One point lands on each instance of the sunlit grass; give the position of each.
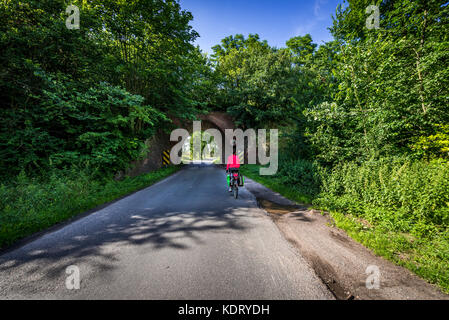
(252, 172)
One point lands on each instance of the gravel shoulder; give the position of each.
(337, 259)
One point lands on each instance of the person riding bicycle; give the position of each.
(233, 163)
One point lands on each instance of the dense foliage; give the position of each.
(363, 121)
(368, 95)
(363, 118)
(93, 95)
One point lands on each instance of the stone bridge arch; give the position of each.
(160, 142)
(214, 120)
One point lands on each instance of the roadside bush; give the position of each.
(411, 196)
(303, 175)
(103, 126)
(398, 208)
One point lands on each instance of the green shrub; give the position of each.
(411, 196)
(302, 174)
(103, 126)
(402, 195)
(406, 205)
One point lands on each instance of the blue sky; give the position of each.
(275, 21)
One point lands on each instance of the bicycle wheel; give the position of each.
(236, 192)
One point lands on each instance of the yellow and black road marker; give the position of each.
(166, 158)
(241, 156)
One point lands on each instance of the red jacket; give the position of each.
(233, 162)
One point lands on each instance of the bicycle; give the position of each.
(233, 181)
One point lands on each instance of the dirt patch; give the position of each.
(326, 273)
(324, 270)
(340, 262)
(275, 208)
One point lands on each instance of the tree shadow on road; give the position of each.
(150, 228)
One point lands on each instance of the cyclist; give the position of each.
(233, 164)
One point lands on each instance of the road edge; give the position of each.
(337, 282)
(60, 225)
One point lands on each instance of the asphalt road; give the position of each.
(183, 238)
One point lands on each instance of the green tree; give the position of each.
(256, 80)
(94, 94)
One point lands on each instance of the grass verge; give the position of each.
(275, 184)
(28, 206)
(428, 257)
